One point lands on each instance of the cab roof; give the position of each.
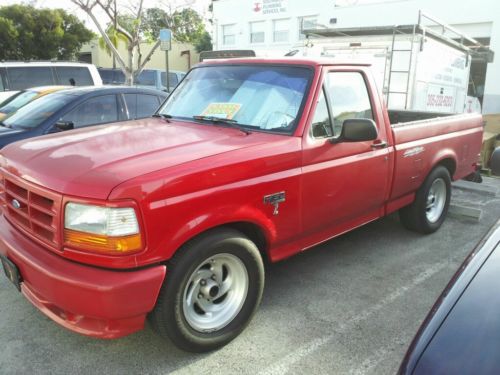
(308, 61)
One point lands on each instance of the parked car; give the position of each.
(16, 76)
(171, 217)
(24, 97)
(461, 333)
(77, 108)
(152, 78)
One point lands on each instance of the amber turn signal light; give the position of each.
(101, 243)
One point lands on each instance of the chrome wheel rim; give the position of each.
(215, 292)
(436, 199)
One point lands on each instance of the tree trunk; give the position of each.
(130, 75)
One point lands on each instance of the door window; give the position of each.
(146, 105)
(141, 105)
(348, 98)
(98, 110)
(74, 75)
(30, 76)
(321, 124)
(131, 101)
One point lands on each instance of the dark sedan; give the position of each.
(79, 107)
(461, 334)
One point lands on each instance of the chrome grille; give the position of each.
(30, 208)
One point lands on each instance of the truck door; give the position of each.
(344, 184)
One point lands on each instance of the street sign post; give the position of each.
(166, 45)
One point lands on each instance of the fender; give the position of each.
(227, 215)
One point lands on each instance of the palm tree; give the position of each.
(115, 37)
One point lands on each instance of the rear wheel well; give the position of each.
(450, 165)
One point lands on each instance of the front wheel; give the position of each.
(213, 287)
(428, 211)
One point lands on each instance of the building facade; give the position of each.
(181, 57)
(273, 27)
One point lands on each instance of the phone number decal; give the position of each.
(439, 100)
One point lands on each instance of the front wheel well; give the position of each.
(254, 233)
(250, 230)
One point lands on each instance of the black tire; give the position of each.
(416, 216)
(170, 318)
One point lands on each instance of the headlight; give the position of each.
(101, 220)
(101, 229)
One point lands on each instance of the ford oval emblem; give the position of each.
(15, 203)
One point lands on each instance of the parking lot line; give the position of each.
(283, 365)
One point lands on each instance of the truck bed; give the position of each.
(400, 117)
(421, 144)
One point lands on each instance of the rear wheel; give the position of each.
(213, 287)
(428, 211)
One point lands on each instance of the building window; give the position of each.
(305, 23)
(228, 34)
(257, 32)
(280, 31)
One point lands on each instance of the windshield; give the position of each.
(262, 97)
(34, 113)
(21, 99)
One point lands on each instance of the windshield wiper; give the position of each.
(164, 116)
(230, 123)
(4, 124)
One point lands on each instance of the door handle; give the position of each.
(381, 144)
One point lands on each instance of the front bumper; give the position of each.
(88, 300)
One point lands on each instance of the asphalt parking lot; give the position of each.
(350, 306)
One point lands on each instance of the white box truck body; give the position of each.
(415, 68)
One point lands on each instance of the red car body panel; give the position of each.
(184, 178)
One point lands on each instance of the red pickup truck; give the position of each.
(248, 160)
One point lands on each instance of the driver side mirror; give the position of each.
(64, 125)
(357, 130)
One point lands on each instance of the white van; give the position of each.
(16, 76)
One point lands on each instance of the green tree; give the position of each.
(187, 26)
(47, 34)
(115, 37)
(204, 43)
(8, 37)
(75, 35)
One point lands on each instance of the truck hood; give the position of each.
(91, 162)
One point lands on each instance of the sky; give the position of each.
(200, 6)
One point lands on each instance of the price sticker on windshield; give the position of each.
(222, 110)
